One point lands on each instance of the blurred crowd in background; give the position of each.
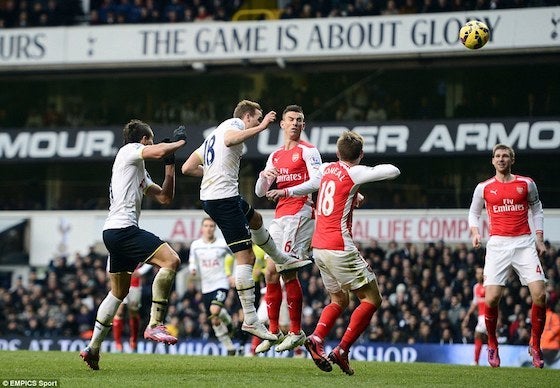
(44, 13)
(426, 294)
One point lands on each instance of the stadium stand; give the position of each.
(48, 13)
(426, 293)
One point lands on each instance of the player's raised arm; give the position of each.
(167, 147)
(235, 136)
(364, 174)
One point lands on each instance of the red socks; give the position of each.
(134, 322)
(117, 330)
(326, 322)
(477, 348)
(359, 321)
(273, 300)
(538, 318)
(491, 319)
(294, 298)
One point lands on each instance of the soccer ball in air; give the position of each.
(474, 34)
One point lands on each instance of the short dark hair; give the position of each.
(503, 147)
(135, 130)
(292, 108)
(244, 107)
(349, 146)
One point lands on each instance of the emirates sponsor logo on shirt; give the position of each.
(289, 178)
(508, 206)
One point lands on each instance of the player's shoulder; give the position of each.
(197, 243)
(487, 182)
(306, 145)
(523, 179)
(130, 151)
(233, 123)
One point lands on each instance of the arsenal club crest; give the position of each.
(520, 189)
(295, 157)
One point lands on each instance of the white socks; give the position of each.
(160, 295)
(221, 332)
(262, 238)
(103, 320)
(246, 290)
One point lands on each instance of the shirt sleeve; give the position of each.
(536, 206)
(193, 264)
(364, 174)
(477, 204)
(312, 159)
(263, 184)
(309, 186)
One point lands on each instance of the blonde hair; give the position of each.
(349, 146)
(244, 107)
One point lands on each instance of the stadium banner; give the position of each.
(386, 139)
(350, 38)
(53, 233)
(459, 354)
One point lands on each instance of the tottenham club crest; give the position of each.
(295, 157)
(520, 189)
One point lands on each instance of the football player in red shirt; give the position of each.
(507, 199)
(343, 269)
(293, 163)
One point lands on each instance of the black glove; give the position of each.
(169, 159)
(180, 133)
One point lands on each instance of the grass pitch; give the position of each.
(152, 370)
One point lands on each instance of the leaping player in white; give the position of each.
(217, 162)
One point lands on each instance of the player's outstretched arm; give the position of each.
(363, 174)
(167, 147)
(235, 136)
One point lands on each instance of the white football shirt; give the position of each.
(220, 163)
(129, 182)
(208, 259)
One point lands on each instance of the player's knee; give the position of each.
(256, 220)
(271, 277)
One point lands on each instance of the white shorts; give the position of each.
(342, 270)
(133, 298)
(519, 253)
(481, 325)
(292, 234)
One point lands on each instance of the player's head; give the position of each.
(136, 131)
(349, 146)
(293, 121)
(503, 158)
(207, 228)
(248, 111)
(479, 274)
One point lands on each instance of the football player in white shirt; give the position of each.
(343, 269)
(207, 259)
(126, 242)
(293, 163)
(217, 162)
